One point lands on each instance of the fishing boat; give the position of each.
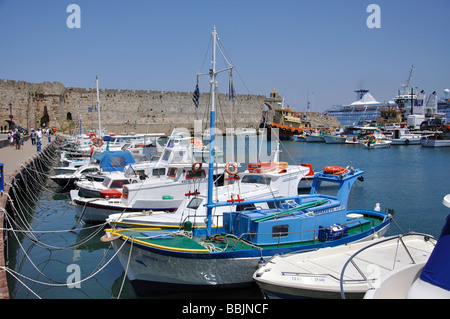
(314, 137)
(402, 136)
(422, 280)
(338, 137)
(111, 185)
(438, 139)
(207, 258)
(318, 274)
(213, 257)
(108, 161)
(271, 179)
(159, 192)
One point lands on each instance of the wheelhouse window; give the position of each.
(172, 172)
(196, 175)
(119, 183)
(256, 179)
(159, 172)
(195, 203)
(280, 231)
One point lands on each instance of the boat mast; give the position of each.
(98, 110)
(212, 74)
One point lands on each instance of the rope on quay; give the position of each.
(23, 199)
(27, 230)
(16, 275)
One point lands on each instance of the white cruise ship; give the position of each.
(365, 109)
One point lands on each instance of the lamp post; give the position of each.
(10, 115)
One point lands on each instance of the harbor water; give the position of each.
(55, 248)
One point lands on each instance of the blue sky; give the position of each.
(322, 48)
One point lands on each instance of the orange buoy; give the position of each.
(197, 166)
(335, 170)
(231, 172)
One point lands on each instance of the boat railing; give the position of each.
(400, 241)
(315, 237)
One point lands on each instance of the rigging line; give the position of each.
(206, 54)
(28, 230)
(220, 43)
(20, 281)
(126, 269)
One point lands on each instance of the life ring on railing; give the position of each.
(335, 170)
(97, 142)
(92, 136)
(197, 166)
(92, 151)
(234, 166)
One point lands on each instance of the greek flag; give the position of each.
(232, 92)
(196, 95)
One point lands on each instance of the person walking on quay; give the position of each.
(33, 137)
(11, 138)
(22, 137)
(38, 139)
(17, 139)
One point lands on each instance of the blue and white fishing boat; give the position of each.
(207, 258)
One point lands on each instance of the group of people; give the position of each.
(16, 136)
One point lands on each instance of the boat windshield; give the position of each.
(256, 179)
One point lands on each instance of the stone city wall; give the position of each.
(122, 111)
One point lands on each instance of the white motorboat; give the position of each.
(375, 144)
(111, 185)
(402, 136)
(299, 138)
(335, 139)
(70, 166)
(426, 280)
(106, 162)
(281, 180)
(314, 137)
(317, 274)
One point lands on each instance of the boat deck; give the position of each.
(180, 241)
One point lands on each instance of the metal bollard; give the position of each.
(2, 180)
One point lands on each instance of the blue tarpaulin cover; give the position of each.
(437, 268)
(111, 161)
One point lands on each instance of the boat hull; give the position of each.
(329, 139)
(314, 139)
(94, 210)
(153, 266)
(428, 142)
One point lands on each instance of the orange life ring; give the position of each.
(197, 166)
(335, 170)
(234, 166)
(92, 151)
(97, 142)
(92, 136)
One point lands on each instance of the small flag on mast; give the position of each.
(196, 95)
(232, 92)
